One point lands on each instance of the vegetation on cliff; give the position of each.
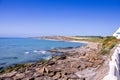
(108, 43)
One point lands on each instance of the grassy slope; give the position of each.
(107, 42)
(89, 39)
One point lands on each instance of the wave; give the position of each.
(26, 52)
(35, 51)
(47, 57)
(40, 51)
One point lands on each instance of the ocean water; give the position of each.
(23, 50)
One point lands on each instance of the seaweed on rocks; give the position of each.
(1, 70)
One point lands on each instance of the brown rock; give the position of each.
(70, 70)
(43, 78)
(29, 75)
(9, 74)
(39, 78)
(99, 61)
(37, 74)
(51, 63)
(7, 78)
(55, 69)
(72, 76)
(83, 66)
(89, 64)
(57, 76)
(19, 76)
(63, 76)
(46, 70)
(51, 74)
(40, 70)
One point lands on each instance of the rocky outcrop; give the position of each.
(75, 63)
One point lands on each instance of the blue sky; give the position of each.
(24, 18)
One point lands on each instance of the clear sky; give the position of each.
(24, 18)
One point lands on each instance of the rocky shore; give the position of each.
(82, 63)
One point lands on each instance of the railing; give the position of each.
(114, 66)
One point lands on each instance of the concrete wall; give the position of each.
(114, 63)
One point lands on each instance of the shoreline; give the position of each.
(44, 50)
(66, 40)
(71, 65)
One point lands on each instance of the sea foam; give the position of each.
(26, 52)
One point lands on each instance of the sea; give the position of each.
(25, 50)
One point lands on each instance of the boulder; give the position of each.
(57, 75)
(19, 76)
(51, 74)
(7, 78)
(51, 63)
(72, 76)
(43, 78)
(37, 74)
(40, 70)
(70, 70)
(13, 73)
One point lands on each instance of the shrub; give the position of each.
(104, 51)
(108, 43)
(112, 46)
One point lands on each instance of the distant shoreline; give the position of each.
(63, 40)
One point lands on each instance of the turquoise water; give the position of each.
(23, 50)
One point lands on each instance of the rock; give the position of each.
(83, 54)
(57, 76)
(63, 76)
(21, 70)
(55, 58)
(51, 74)
(72, 76)
(67, 48)
(7, 78)
(63, 57)
(32, 79)
(29, 75)
(99, 61)
(46, 70)
(93, 56)
(55, 69)
(76, 65)
(43, 78)
(9, 74)
(19, 76)
(83, 66)
(54, 50)
(89, 64)
(51, 63)
(39, 78)
(27, 78)
(40, 70)
(70, 70)
(37, 74)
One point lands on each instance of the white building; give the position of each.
(117, 34)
